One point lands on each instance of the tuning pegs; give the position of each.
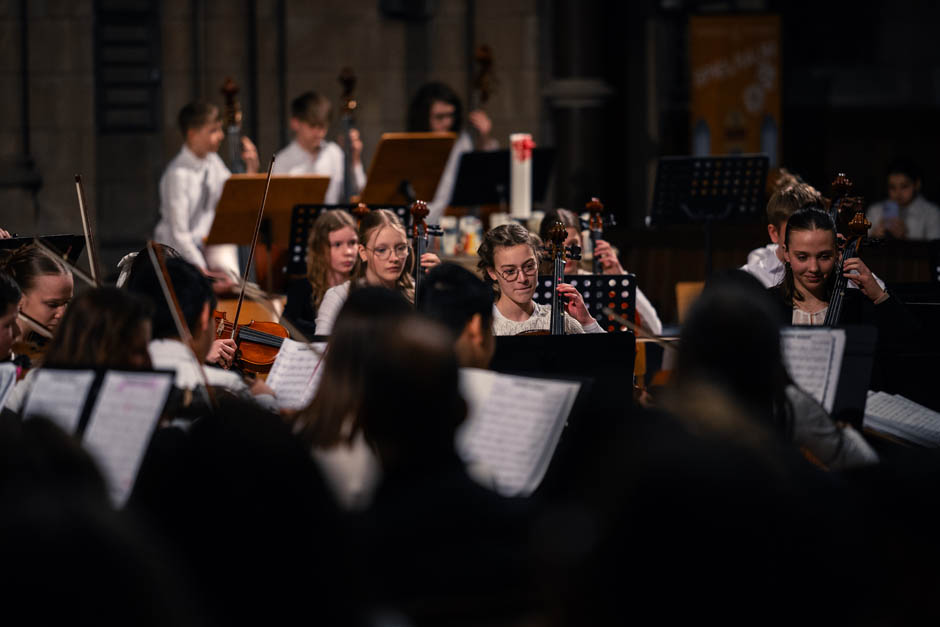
(573, 252)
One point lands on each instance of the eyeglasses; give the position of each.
(528, 268)
(384, 252)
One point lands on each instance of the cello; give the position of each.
(420, 231)
(559, 254)
(848, 214)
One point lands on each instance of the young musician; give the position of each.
(197, 302)
(332, 252)
(330, 424)
(649, 319)
(811, 253)
(104, 327)
(509, 261)
(9, 306)
(437, 108)
(456, 298)
(45, 282)
(766, 263)
(385, 260)
(190, 189)
(222, 351)
(311, 153)
(733, 310)
(905, 214)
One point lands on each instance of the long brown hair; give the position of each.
(806, 219)
(369, 226)
(27, 263)
(332, 417)
(318, 250)
(97, 328)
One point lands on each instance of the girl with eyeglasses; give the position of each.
(509, 261)
(385, 260)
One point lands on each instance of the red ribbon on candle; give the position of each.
(523, 148)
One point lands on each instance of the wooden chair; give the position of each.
(686, 293)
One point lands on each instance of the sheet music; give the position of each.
(60, 396)
(814, 360)
(513, 426)
(124, 417)
(903, 418)
(7, 381)
(295, 375)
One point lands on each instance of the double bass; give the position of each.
(848, 214)
(232, 124)
(595, 224)
(347, 123)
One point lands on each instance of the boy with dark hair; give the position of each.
(311, 153)
(905, 213)
(190, 189)
(9, 306)
(455, 297)
(197, 302)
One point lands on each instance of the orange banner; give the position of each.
(735, 70)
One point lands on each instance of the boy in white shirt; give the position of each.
(190, 189)
(766, 263)
(311, 153)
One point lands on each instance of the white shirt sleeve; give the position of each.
(932, 224)
(648, 314)
(176, 210)
(329, 308)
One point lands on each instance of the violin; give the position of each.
(30, 348)
(559, 253)
(420, 231)
(347, 123)
(258, 342)
(232, 123)
(848, 214)
(596, 223)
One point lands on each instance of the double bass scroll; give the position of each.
(848, 214)
(596, 224)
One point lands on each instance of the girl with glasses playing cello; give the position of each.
(509, 260)
(385, 260)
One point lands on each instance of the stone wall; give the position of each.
(121, 171)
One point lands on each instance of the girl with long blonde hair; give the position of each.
(385, 260)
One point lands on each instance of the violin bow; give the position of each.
(637, 330)
(89, 238)
(39, 243)
(176, 312)
(251, 250)
(34, 325)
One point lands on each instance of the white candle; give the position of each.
(520, 175)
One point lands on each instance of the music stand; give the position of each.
(237, 210)
(406, 164)
(705, 190)
(617, 291)
(483, 177)
(69, 246)
(301, 221)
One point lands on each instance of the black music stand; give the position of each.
(69, 246)
(705, 190)
(302, 219)
(855, 374)
(483, 177)
(617, 291)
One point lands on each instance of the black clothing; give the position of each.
(299, 309)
